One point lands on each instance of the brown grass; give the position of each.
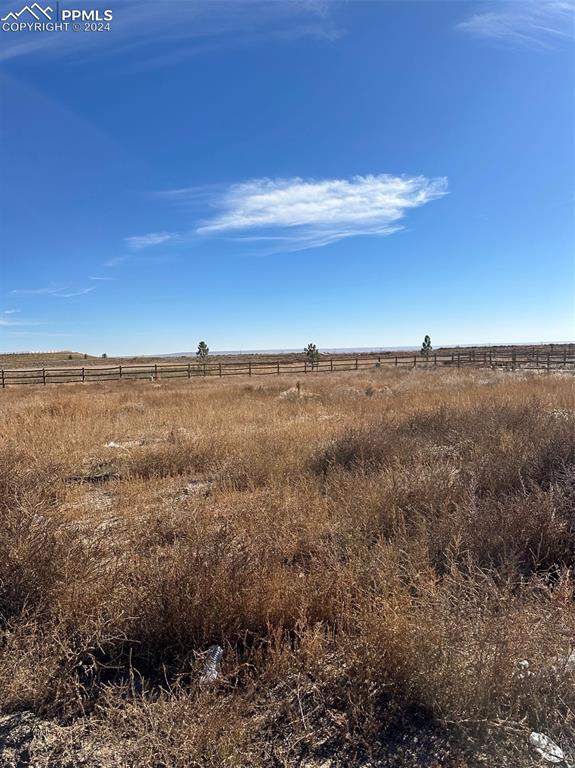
(375, 557)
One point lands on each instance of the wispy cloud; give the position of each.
(35, 291)
(294, 214)
(535, 23)
(82, 292)
(7, 321)
(106, 279)
(137, 242)
(115, 261)
(61, 292)
(158, 34)
(43, 334)
(187, 196)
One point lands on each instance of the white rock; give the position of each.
(546, 748)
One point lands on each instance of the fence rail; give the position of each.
(474, 358)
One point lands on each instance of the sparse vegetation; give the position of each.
(375, 559)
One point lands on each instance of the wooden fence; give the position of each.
(474, 358)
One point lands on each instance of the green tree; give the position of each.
(203, 350)
(312, 354)
(426, 347)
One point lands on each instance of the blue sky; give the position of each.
(265, 174)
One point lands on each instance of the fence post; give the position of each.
(120, 367)
(3, 382)
(220, 370)
(356, 365)
(250, 368)
(513, 360)
(459, 359)
(44, 376)
(83, 374)
(155, 371)
(189, 371)
(537, 359)
(331, 364)
(435, 360)
(548, 362)
(414, 360)
(278, 367)
(204, 369)
(396, 361)
(305, 366)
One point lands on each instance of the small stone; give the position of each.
(546, 748)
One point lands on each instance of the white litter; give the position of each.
(197, 487)
(546, 748)
(566, 663)
(112, 444)
(522, 670)
(212, 665)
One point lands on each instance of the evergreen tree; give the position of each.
(312, 354)
(426, 347)
(203, 350)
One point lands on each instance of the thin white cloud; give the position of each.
(115, 261)
(35, 291)
(62, 292)
(7, 321)
(36, 333)
(187, 196)
(535, 23)
(101, 278)
(83, 292)
(302, 213)
(137, 242)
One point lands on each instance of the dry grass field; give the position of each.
(65, 359)
(377, 554)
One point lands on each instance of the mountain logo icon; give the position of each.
(35, 10)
